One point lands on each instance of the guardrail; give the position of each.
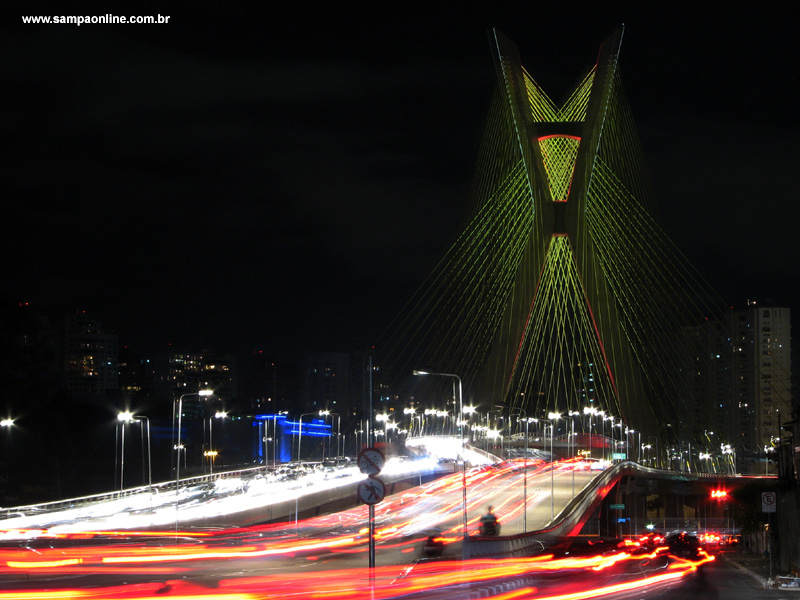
(164, 486)
(571, 519)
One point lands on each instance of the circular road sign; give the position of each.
(371, 490)
(371, 461)
(768, 501)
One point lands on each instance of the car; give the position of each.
(684, 545)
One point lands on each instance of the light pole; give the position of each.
(179, 418)
(325, 413)
(149, 462)
(591, 411)
(456, 378)
(212, 454)
(608, 418)
(409, 418)
(468, 411)
(613, 439)
(524, 473)
(571, 414)
(128, 417)
(123, 418)
(552, 418)
(639, 447)
(300, 435)
(627, 445)
(601, 414)
(647, 459)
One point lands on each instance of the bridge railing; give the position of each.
(156, 488)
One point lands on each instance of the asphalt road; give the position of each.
(719, 580)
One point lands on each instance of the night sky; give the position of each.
(284, 180)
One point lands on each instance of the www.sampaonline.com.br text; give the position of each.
(107, 19)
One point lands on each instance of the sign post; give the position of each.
(371, 491)
(768, 502)
(769, 505)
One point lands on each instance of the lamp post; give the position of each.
(456, 378)
(468, 411)
(178, 445)
(325, 413)
(627, 445)
(613, 439)
(601, 414)
(574, 444)
(591, 411)
(639, 447)
(524, 473)
(212, 454)
(128, 417)
(123, 418)
(149, 461)
(300, 435)
(608, 418)
(552, 418)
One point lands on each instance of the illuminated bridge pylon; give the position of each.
(561, 292)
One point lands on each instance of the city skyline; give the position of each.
(203, 184)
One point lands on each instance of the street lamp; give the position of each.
(178, 446)
(212, 454)
(613, 440)
(325, 413)
(300, 435)
(387, 425)
(627, 443)
(524, 473)
(591, 411)
(149, 462)
(123, 418)
(456, 378)
(608, 418)
(552, 418)
(570, 414)
(128, 417)
(468, 411)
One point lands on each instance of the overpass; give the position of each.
(544, 504)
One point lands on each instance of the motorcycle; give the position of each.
(490, 528)
(433, 546)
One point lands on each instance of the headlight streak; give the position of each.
(418, 522)
(406, 521)
(351, 583)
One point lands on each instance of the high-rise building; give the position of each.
(762, 369)
(182, 372)
(91, 356)
(269, 386)
(326, 382)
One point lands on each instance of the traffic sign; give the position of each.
(371, 490)
(617, 507)
(768, 502)
(371, 461)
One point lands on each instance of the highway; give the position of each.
(328, 555)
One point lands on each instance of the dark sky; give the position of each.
(285, 179)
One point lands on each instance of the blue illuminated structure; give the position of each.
(274, 444)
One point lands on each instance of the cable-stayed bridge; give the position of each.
(562, 292)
